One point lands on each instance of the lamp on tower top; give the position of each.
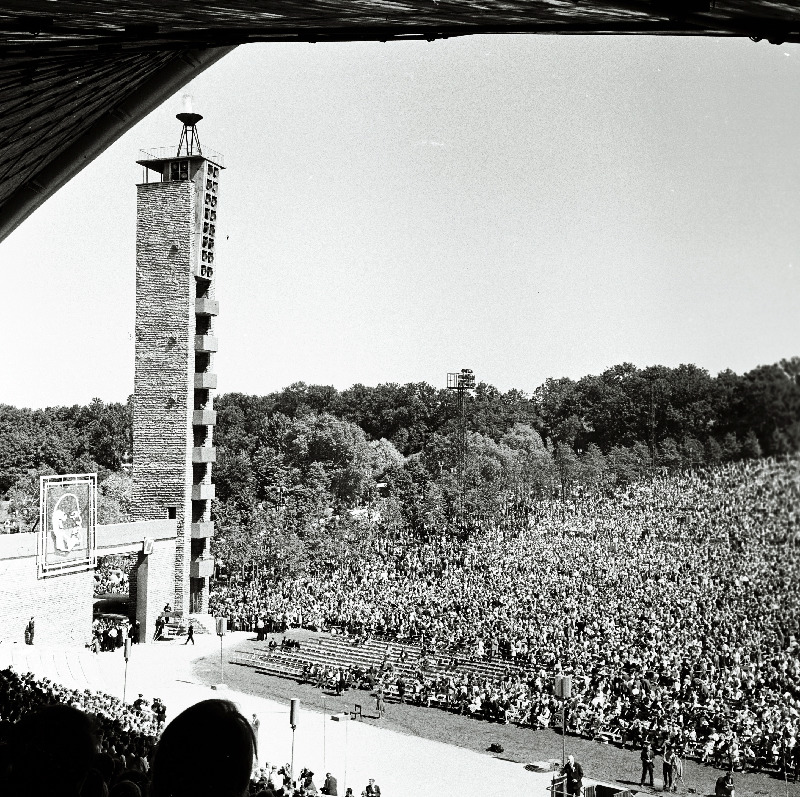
(190, 141)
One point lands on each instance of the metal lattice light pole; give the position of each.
(462, 382)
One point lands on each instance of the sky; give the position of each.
(525, 206)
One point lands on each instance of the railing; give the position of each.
(558, 786)
(170, 153)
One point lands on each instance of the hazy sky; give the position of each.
(523, 206)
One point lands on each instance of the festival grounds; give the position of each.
(412, 751)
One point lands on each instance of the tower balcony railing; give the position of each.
(206, 307)
(205, 343)
(202, 567)
(205, 381)
(204, 454)
(204, 417)
(202, 530)
(170, 153)
(203, 492)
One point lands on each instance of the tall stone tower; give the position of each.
(173, 419)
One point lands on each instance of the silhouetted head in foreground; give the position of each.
(51, 752)
(206, 751)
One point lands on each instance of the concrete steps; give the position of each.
(178, 626)
(70, 667)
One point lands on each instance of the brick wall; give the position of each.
(155, 575)
(164, 375)
(61, 605)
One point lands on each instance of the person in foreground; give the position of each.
(206, 751)
(51, 752)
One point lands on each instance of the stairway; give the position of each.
(71, 667)
(177, 626)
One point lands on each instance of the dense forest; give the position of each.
(301, 469)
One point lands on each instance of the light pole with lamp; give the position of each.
(127, 653)
(294, 716)
(463, 383)
(222, 629)
(563, 689)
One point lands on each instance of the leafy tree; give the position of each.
(114, 495)
(751, 448)
(568, 467)
(558, 405)
(731, 449)
(384, 456)
(593, 468)
(623, 464)
(523, 438)
(692, 450)
(669, 455)
(713, 453)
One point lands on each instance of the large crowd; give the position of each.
(111, 576)
(673, 604)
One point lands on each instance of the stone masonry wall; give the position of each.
(61, 605)
(164, 377)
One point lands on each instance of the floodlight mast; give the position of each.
(463, 383)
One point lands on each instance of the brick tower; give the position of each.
(173, 419)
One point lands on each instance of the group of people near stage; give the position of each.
(673, 603)
(59, 741)
(274, 781)
(110, 633)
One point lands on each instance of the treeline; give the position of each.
(679, 414)
(310, 473)
(77, 439)
(300, 472)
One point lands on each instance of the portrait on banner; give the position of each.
(67, 523)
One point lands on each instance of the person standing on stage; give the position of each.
(574, 774)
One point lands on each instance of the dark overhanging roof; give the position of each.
(76, 75)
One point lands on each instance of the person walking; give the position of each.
(29, 632)
(190, 634)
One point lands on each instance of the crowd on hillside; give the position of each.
(674, 605)
(59, 741)
(111, 576)
(110, 581)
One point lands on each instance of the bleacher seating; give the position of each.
(336, 650)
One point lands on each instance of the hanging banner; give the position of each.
(67, 518)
